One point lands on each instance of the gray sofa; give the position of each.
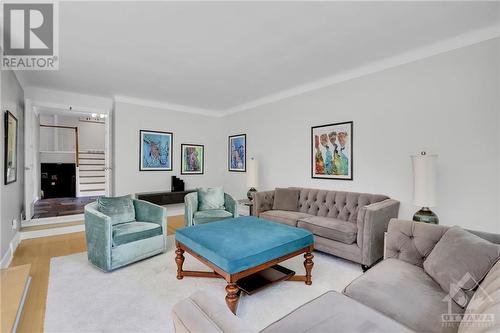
(346, 224)
(396, 295)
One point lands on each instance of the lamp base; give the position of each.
(426, 215)
(251, 193)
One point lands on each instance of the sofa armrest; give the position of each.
(149, 212)
(201, 313)
(98, 235)
(372, 223)
(190, 207)
(412, 241)
(262, 201)
(231, 205)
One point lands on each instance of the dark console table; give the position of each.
(164, 197)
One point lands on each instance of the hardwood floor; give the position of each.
(38, 252)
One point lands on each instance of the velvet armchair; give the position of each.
(120, 231)
(195, 216)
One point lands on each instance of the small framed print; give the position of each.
(237, 153)
(192, 159)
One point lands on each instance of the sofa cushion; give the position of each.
(330, 228)
(459, 261)
(119, 209)
(204, 216)
(341, 205)
(405, 293)
(334, 312)
(283, 216)
(133, 231)
(286, 199)
(210, 198)
(485, 303)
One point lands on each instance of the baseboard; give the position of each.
(52, 232)
(7, 258)
(53, 220)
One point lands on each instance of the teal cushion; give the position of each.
(119, 209)
(211, 198)
(133, 231)
(240, 243)
(204, 216)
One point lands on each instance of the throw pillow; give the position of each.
(286, 199)
(459, 262)
(119, 209)
(211, 198)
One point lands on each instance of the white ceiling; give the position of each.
(218, 56)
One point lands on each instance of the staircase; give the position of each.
(91, 174)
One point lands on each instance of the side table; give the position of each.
(248, 203)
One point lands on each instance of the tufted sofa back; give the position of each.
(341, 205)
(413, 241)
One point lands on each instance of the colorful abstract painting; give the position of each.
(10, 158)
(237, 153)
(192, 161)
(155, 151)
(331, 151)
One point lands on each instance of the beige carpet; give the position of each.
(138, 298)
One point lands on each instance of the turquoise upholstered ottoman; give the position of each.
(239, 247)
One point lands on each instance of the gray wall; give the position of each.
(447, 104)
(12, 197)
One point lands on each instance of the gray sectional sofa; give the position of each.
(396, 295)
(346, 224)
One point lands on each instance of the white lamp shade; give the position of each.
(252, 173)
(424, 180)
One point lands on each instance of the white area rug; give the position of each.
(138, 298)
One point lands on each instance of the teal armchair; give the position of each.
(193, 216)
(127, 231)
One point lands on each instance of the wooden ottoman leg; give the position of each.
(232, 297)
(179, 259)
(308, 264)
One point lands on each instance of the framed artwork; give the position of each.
(192, 159)
(331, 151)
(155, 151)
(237, 153)
(10, 158)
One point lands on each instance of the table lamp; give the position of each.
(252, 177)
(425, 187)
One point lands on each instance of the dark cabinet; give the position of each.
(58, 180)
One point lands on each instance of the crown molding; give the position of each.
(374, 67)
(167, 106)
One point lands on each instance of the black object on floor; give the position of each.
(58, 180)
(258, 281)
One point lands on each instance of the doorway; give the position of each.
(70, 162)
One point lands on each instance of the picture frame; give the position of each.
(192, 159)
(155, 150)
(10, 151)
(332, 151)
(237, 146)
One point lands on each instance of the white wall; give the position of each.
(12, 195)
(186, 128)
(91, 135)
(446, 104)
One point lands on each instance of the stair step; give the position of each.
(95, 152)
(15, 283)
(91, 162)
(92, 190)
(86, 167)
(90, 173)
(90, 179)
(91, 157)
(93, 186)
